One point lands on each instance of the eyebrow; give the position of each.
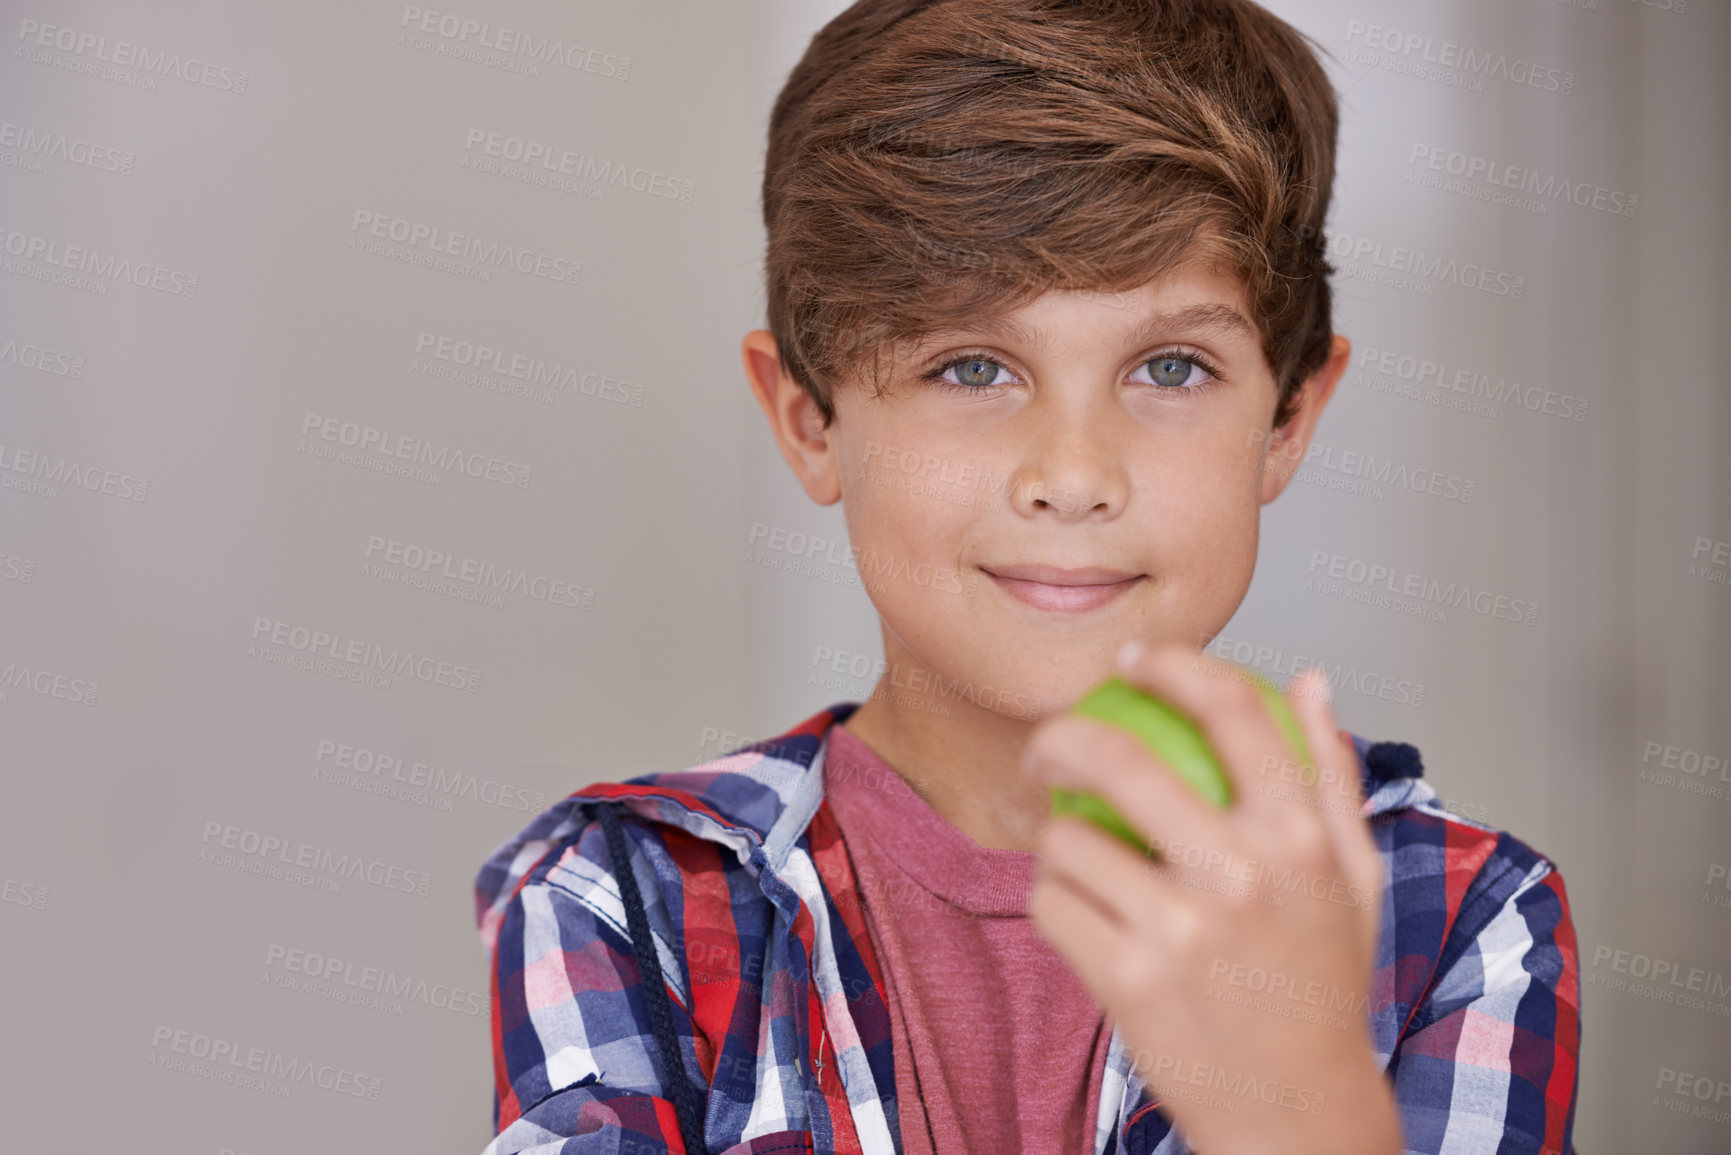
(1212, 319)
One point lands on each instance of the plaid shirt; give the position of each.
(779, 1005)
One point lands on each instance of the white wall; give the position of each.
(147, 606)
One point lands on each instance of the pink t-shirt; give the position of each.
(998, 1045)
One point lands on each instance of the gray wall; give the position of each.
(148, 714)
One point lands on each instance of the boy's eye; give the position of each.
(977, 372)
(1170, 371)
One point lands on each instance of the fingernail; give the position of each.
(1128, 653)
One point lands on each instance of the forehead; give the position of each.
(1195, 300)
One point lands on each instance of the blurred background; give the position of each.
(367, 484)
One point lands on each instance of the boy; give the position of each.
(1064, 257)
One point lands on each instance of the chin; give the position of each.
(1037, 693)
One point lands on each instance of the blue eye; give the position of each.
(971, 373)
(975, 372)
(1170, 371)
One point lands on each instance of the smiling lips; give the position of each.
(1070, 590)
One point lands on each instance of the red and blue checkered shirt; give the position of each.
(778, 1005)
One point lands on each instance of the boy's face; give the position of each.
(1121, 434)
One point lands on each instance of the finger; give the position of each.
(1354, 847)
(1340, 791)
(1326, 780)
(1133, 887)
(1116, 880)
(1081, 932)
(1229, 711)
(1083, 753)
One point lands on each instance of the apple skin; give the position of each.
(1174, 738)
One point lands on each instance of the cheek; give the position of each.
(1202, 510)
(914, 498)
(1206, 525)
(1207, 473)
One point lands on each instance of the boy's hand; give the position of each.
(1237, 963)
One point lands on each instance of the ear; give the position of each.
(1287, 445)
(794, 419)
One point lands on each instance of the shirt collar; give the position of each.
(772, 787)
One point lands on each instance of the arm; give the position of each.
(577, 1067)
(1492, 1063)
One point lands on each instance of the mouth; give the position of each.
(1065, 590)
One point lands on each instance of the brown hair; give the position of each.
(930, 160)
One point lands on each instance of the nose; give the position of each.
(1073, 467)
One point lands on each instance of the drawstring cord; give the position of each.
(673, 1076)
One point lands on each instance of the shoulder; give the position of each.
(1438, 858)
(1466, 905)
(567, 846)
(738, 802)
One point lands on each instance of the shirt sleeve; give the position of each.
(575, 1060)
(1493, 1067)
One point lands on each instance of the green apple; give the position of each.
(1174, 738)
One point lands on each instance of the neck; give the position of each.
(963, 759)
